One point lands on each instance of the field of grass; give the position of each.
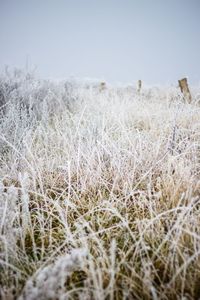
(99, 191)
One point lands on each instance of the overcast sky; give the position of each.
(157, 41)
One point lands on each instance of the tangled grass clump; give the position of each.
(99, 192)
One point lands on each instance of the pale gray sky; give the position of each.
(118, 40)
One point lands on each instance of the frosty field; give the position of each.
(99, 191)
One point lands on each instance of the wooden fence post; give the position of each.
(139, 86)
(102, 86)
(183, 84)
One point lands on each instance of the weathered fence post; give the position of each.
(183, 84)
(139, 86)
(102, 86)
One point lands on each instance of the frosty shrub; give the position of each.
(26, 102)
(49, 282)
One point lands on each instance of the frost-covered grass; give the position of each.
(99, 192)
